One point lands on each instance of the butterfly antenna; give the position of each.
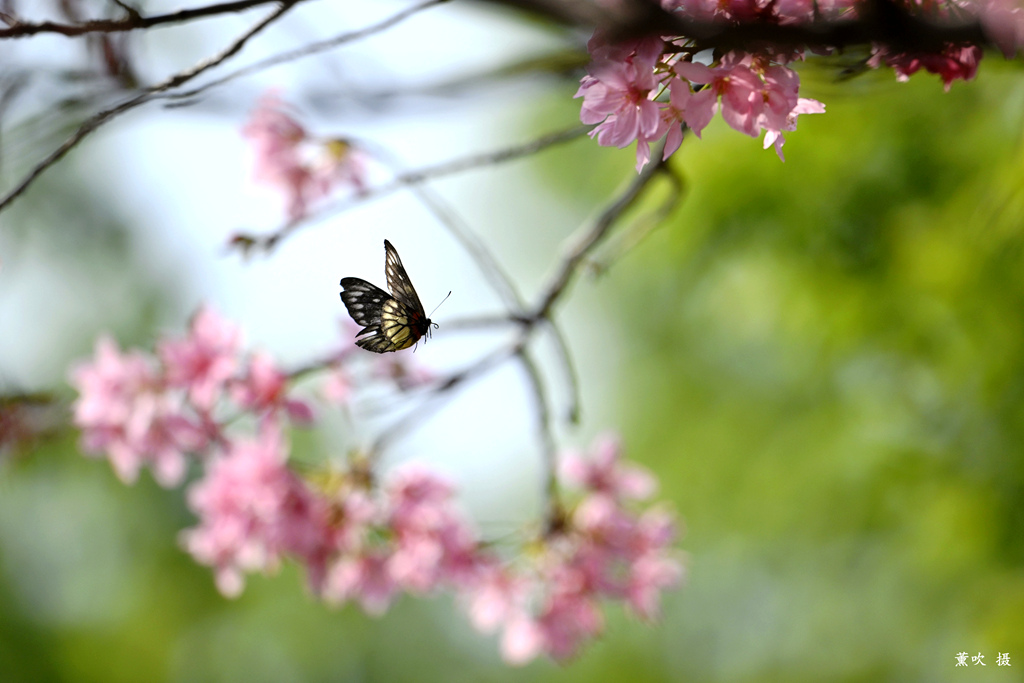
(439, 306)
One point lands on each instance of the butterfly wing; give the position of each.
(399, 282)
(363, 301)
(401, 327)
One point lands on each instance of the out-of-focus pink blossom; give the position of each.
(567, 621)
(604, 551)
(303, 167)
(602, 472)
(1003, 22)
(364, 578)
(108, 386)
(495, 597)
(252, 511)
(523, 640)
(123, 410)
(433, 543)
(953, 63)
(264, 389)
(337, 388)
(204, 360)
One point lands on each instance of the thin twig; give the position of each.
(108, 114)
(588, 239)
(486, 262)
(552, 505)
(307, 50)
(627, 240)
(131, 22)
(572, 378)
(482, 322)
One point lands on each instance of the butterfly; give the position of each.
(390, 322)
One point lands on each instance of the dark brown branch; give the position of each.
(308, 50)
(887, 22)
(598, 231)
(109, 114)
(131, 22)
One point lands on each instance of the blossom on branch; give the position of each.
(306, 169)
(203, 361)
(123, 409)
(145, 410)
(648, 89)
(253, 510)
(358, 540)
(604, 551)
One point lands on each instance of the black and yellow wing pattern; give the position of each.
(390, 322)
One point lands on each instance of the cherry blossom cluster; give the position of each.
(602, 549)
(359, 537)
(303, 167)
(367, 544)
(647, 90)
(154, 410)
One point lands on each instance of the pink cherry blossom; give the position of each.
(433, 543)
(109, 384)
(123, 410)
(276, 138)
(602, 472)
(253, 511)
(1003, 22)
(803, 106)
(303, 167)
(337, 388)
(604, 551)
(649, 575)
(204, 360)
(364, 578)
(567, 621)
(495, 597)
(954, 62)
(736, 84)
(523, 640)
(779, 95)
(616, 94)
(264, 389)
(678, 113)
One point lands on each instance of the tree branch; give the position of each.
(888, 22)
(404, 180)
(133, 21)
(552, 506)
(569, 268)
(109, 114)
(307, 50)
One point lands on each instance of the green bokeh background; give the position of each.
(822, 360)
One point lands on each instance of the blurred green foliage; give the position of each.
(832, 352)
(823, 360)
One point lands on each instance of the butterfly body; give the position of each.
(390, 321)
